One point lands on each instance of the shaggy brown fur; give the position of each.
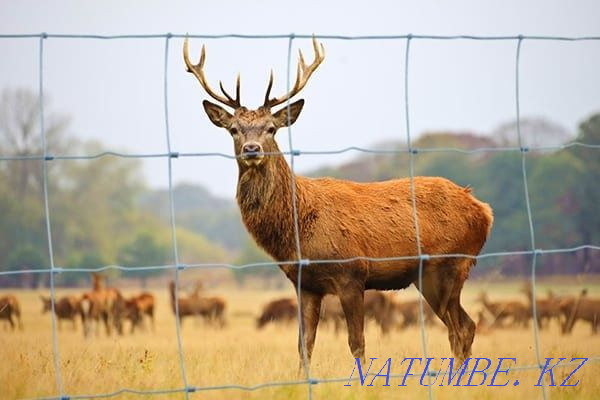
(546, 309)
(281, 310)
(341, 220)
(501, 311)
(9, 306)
(68, 307)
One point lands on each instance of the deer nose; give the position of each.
(251, 150)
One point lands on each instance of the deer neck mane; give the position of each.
(264, 195)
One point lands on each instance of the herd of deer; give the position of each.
(565, 310)
(380, 307)
(387, 312)
(107, 306)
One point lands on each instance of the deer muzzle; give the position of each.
(252, 153)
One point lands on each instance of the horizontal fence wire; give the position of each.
(298, 152)
(170, 155)
(305, 261)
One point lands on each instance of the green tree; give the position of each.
(144, 250)
(25, 257)
(587, 189)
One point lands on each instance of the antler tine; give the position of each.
(269, 86)
(303, 73)
(198, 71)
(237, 91)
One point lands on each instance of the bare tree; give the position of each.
(20, 136)
(535, 132)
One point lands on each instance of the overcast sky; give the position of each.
(113, 89)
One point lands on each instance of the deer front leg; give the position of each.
(353, 304)
(310, 308)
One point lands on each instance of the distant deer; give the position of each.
(515, 311)
(211, 309)
(377, 307)
(582, 307)
(9, 306)
(281, 310)
(409, 310)
(103, 304)
(546, 309)
(139, 306)
(68, 307)
(340, 219)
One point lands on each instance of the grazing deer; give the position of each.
(68, 307)
(546, 309)
(9, 306)
(517, 312)
(138, 306)
(281, 310)
(340, 219)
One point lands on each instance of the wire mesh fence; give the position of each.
(170, 154)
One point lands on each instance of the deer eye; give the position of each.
(271, 130)
(233, 131)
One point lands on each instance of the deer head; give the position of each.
(253, 131)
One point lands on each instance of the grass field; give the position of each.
(240, 354)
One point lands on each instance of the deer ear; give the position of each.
(281, 116)
(217, 114)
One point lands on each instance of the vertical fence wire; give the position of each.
(301, 333)
(524, 150)
(47, 157)
(172, 220)
(411, 153)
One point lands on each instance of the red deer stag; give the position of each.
(341, 220)
(9, 306)
(281, 310)
(68, 307)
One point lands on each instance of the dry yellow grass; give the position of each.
(239, 354)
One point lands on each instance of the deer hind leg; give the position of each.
(442, 285)
(352, 299)
(310, 307)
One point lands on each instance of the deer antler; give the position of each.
(303, 73)
(198, 71)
